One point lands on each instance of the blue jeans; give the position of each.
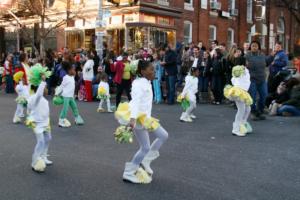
(9, 84)
(203, 84)
(288, 109)
(217, 88)
(171, 81)
(262, 90)
(157, 91)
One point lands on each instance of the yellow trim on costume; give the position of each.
(30, 123)
(233, 93)
(123, 116)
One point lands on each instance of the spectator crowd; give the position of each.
(275, 83)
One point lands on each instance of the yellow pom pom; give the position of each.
(18, 76)
(101, 91)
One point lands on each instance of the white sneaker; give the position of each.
(100, 110)
(238, 134)
(47, 162)
(237, 130)
(135, 174)
(16, 120)
(150, 156)
(39, 166)
(193, 116)
(64, 123)
(186, 119)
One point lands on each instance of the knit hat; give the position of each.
(18, 76)
(36, 72)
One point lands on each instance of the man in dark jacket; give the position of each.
(170, 65)
(279, 62)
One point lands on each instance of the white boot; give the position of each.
(185, 118)
(135, 174)
(100, 109)
(16, 119)
(193, 116)
(64, 123)
(237, 130)
(151, 155)
(47, 162)
(39, 166)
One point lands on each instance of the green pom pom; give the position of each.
(58, 100)
(123, 134)
(185, 104)
(238, 70)
(36, 72)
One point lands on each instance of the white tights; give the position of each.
(107, 103)
(242, 114)
(43, 139)
(143, 139)
(19, 111)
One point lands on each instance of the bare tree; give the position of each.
(291, 6)
(46, 13)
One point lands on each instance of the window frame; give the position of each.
(190, 37)
(214, 31)
(230, 43)
(249, 15)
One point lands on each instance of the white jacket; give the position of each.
(22, 90)
(142, 97)
(191, 87)
(68, 86)
(38, 106)
(243, 81)
(88, 70)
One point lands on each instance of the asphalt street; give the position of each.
(200, 161)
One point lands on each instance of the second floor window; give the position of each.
(163, 2)
(212, 32)
(188, 31)
(249, 10)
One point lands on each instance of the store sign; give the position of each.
(79, 23)
(149, 19)
(115, 20)
(131, 18)
(163, 21)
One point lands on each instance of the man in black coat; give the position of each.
(170, 65)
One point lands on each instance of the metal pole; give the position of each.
(100, 34)
(18, 37)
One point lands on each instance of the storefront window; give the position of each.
(74, 39)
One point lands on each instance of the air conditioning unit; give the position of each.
(215, 5)
(234, 12)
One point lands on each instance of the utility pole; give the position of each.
(100, 32)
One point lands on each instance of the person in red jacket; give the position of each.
(8, 71)
(24, 67)
(122, 77)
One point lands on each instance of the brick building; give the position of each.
(152, 22)
(236, 22)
